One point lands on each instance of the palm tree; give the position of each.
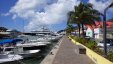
(83, 14)
(86, 14)
(69, 29)
(72, 19)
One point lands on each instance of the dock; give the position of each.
(64, 53)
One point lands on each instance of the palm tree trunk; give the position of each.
(83, 34)
(79, 29)
(93, 33)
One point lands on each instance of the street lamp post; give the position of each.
(104, 26)
(104, 32)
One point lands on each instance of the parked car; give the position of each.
(109, 42)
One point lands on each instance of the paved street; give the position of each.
(66, 54)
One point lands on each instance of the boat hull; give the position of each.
(29, 53)
(9, 58)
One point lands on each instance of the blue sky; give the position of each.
(6, 21)
(41, 12)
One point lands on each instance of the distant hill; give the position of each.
(3, 28)
(60, 31)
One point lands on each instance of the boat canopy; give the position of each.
(5, 41)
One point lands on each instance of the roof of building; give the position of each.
(99, 24)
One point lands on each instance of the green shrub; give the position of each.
(84, 41)
(110, 56)
(77, 39)
(97, 50)
(91, 44)
(81, 40)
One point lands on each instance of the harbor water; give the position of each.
(38, 57)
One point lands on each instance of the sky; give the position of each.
(30, 15)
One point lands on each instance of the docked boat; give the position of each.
(24, 53)
(31, 42)
(9, 57)
(32, 45)
(16, 50)
(37, 38)
(5, 55)
(44, 34)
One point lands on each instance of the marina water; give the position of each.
(38, 57)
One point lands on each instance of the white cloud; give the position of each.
(52, 13)
(14, 17)
(100, 5)
(5, 14)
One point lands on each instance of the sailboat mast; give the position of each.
(23, 27)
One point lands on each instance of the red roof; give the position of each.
(99, 24)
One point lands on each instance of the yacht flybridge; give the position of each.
(45, 34)
(44, 31)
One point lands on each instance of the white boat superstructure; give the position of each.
(43, 39)
(32, 43)
(39, 42)
(44, 34)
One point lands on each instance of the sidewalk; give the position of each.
(50, 57)
(67, 55)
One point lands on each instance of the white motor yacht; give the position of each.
(5, 56)
(25, 53)
(31, 44)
